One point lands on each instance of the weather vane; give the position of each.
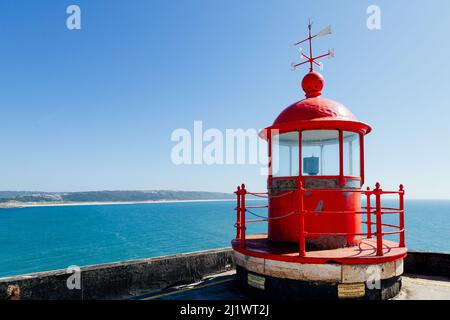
(311, 59)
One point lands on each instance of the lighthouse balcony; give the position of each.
(371, 239)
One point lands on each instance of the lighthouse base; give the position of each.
(262, 286)
(276, 271)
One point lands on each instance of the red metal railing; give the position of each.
(378, 211)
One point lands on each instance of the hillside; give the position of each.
(108, 196)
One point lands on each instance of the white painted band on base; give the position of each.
(334, 273)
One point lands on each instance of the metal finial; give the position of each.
(311, 59)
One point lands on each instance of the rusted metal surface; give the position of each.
(326, 242)
(280, 185)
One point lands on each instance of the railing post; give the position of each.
(301, 240)
(379, 234)
(243, 209)
(238, 212)
(402, 216)
(369, 214)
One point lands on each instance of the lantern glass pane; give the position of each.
(285, 154)
(320, 152)
(352, 154)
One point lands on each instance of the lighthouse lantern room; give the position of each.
(327, 237)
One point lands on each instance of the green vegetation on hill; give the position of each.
(110, 196)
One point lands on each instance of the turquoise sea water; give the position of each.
(47, 238)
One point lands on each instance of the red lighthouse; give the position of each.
(326, 235)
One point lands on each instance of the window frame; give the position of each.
(341, 175)
(298, 132)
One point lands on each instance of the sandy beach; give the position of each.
(17, 205)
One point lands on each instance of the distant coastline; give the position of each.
(24, 199)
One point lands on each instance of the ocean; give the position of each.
(46, 238)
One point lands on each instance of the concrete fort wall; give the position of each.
(427, 263)
(122, 279)
(128, 278)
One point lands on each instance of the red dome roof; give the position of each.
(315, 112)
(311, 109)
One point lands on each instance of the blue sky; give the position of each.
(94, 109)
